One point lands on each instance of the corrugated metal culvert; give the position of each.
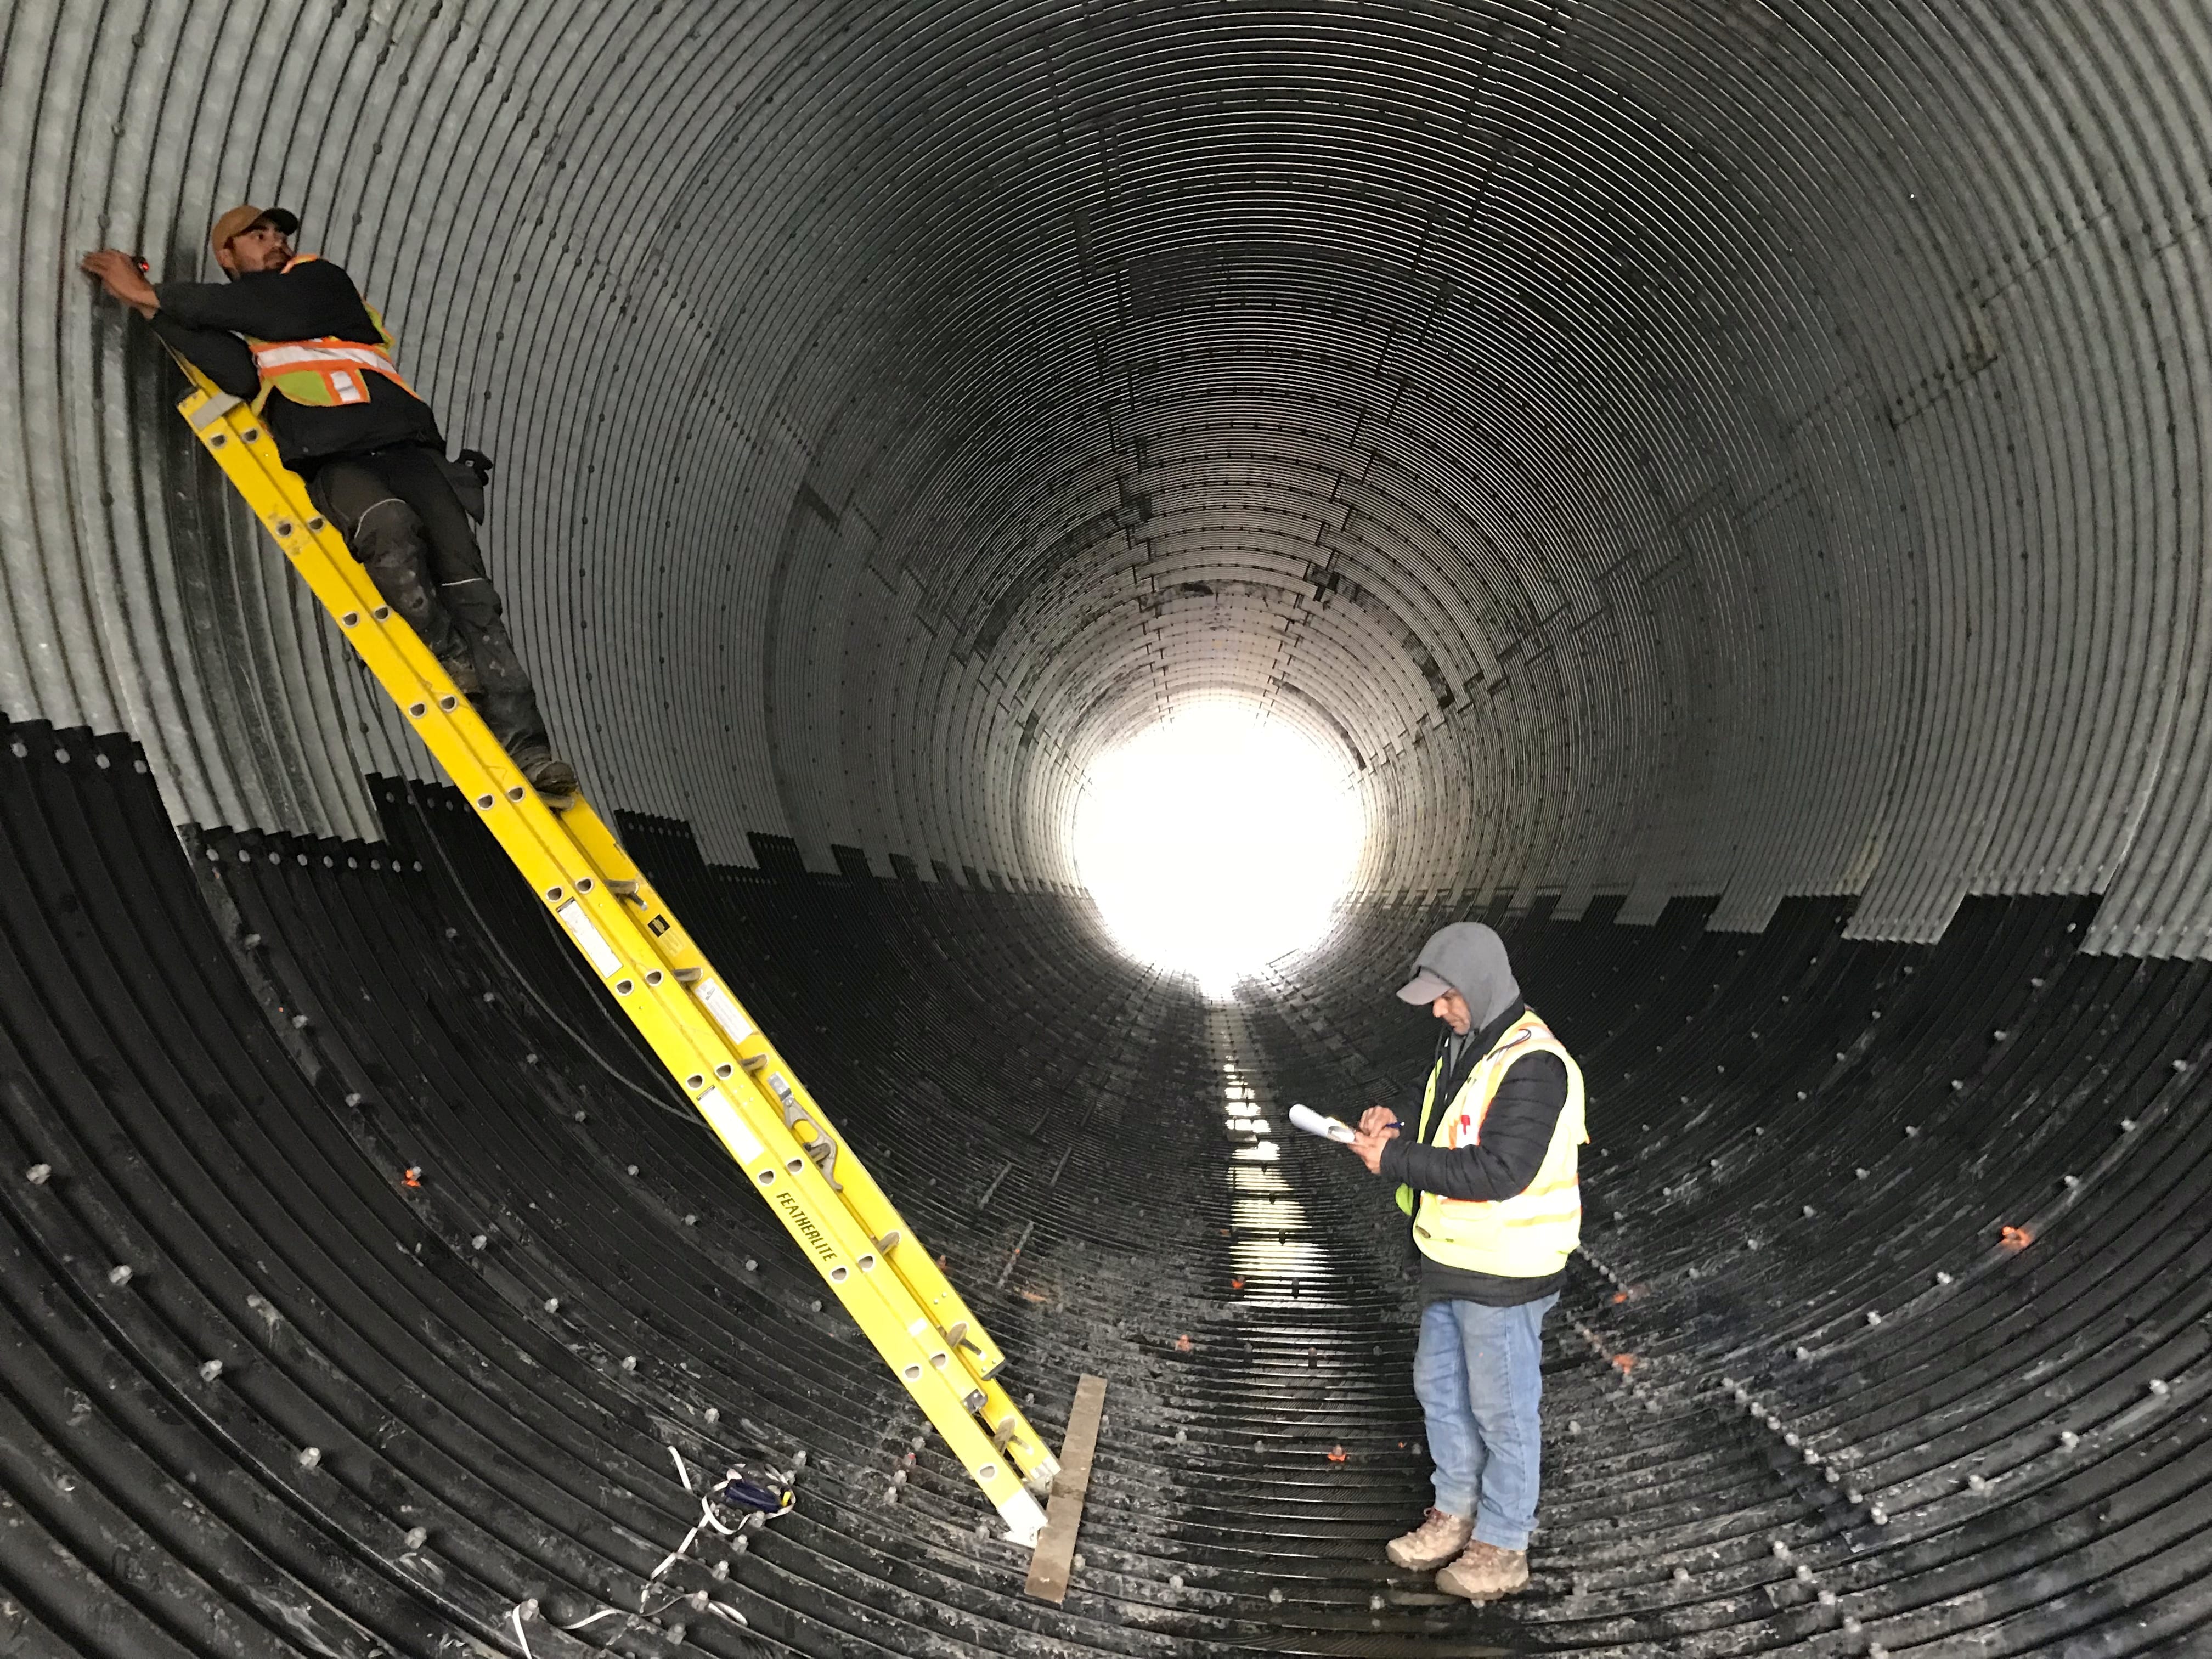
(1728, 476)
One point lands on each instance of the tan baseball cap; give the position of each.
(239, 220)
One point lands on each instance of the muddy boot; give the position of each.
(1485, 1572)
(548, 773)
(514, 720)
(1435, 1541)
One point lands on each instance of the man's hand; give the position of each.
(1378, 1127)
(119, 273)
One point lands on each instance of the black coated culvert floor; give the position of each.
(1802, 1395)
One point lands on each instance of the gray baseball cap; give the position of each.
(1424, 987)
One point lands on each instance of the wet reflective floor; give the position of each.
(1289, 1422)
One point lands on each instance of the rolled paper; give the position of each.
(1328, 1128)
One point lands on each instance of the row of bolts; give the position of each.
(1780, 1547)
(310, 1457)
(2068, 1439)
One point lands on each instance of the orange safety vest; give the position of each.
(1531, 1234)
(325, 372)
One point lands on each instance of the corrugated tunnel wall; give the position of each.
(1729, 474)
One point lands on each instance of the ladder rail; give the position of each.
(980, 1356)
(832, 1208)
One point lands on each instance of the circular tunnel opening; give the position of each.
(1217, 840)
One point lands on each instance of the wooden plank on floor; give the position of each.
(1056, 1551)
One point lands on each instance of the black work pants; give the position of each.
(399, 515)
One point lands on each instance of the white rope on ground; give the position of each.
(699, 1600)
(674, 1556)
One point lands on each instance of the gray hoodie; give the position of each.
(1468, 957)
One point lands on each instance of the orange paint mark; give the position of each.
(2016, 1238)
(1033, 1296)
(1624, 1362)
(1236, 1284)
(413, 1177)
(1338, 1455)
(1183, 1343)
(1620, 1297)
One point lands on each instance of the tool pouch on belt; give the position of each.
(470, 474)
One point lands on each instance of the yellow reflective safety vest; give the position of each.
(325, 372)
(1530, 1235)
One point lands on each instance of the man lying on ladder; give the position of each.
(316, 361)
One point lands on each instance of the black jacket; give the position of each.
(1516, 1132)
(204, 320)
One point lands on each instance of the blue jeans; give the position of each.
(1479, 1376)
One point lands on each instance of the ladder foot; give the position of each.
(1024, 1519)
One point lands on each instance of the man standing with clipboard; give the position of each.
(1487, 1179)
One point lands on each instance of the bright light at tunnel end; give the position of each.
(1217, 840)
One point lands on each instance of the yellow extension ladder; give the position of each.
(791, 1155)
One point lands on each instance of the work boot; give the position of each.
(1435, 1541)
(1485, 1572)
(461, 669)
(548, 773)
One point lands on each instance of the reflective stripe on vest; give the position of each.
(325, 372)
(1531, 1234)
